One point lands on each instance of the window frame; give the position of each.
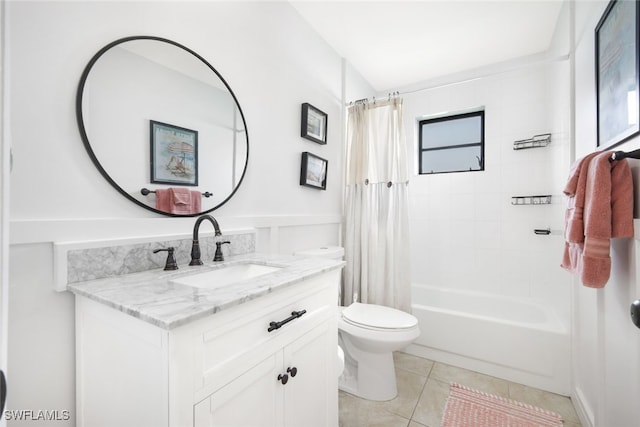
(450, 117)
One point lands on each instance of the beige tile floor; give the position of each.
(423, 388)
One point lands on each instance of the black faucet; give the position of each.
(171, 263)
(218, 256)
(195, 247)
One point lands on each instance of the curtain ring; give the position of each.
(389, 184)
(366, 181)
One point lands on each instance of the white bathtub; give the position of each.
(509, 338)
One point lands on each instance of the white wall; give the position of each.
(4, 213)
(272, 60)
(606, 345)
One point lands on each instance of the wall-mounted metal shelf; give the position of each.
(535, 142)
(531, 200)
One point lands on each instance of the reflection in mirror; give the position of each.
(134, 82)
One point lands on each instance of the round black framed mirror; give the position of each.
(162, 126)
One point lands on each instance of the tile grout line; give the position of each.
(424, 386)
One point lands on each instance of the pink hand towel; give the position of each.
(621, 200)
(163, 200)
(608, 213)
(575, 189)
(196, 202)
(179, 201)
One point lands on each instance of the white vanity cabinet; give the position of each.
(291, 401)
(226, 369)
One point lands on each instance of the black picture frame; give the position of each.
(174, 154)
(313, 124)
(617, 70)
(313, 171)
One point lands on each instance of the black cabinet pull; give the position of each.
(635, 313)
(283, 378)
(3, 392)
(293, 371)
(277, 325)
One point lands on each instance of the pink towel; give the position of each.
(575, 189)
(163, 200)
(179, 201)
(196, 202)
(601, 203)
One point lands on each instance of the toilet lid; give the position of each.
(378, 316)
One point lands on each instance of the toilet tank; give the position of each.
(331, 252)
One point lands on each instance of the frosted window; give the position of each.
(457, 160)
(452, 144)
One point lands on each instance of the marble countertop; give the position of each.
(154, 297)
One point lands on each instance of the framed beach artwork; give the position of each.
(313, 171)
(616, 55)
(313, 125)
(174, 154)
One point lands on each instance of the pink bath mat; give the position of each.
(467, 407)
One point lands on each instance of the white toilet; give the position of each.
(369, 334)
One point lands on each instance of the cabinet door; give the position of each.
(254, 399)
(309, 394)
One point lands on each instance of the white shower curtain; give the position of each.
(375, 234)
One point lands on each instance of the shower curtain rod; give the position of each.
(558, 58)
(365, 100)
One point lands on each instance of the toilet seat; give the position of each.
(378, 317)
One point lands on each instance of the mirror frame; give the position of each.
(87, 143)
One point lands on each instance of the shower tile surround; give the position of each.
(102, 262)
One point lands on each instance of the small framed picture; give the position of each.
(313, 171)
(174, 154)
(313, 124)
(617, 67)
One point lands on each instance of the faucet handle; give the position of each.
(171, 263)
(218, 256)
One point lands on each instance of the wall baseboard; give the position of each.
(585, 414)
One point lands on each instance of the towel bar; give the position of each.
(146, 191)
(619, 155)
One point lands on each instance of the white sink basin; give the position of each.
(225, 276)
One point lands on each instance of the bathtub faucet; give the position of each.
(195, 246)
